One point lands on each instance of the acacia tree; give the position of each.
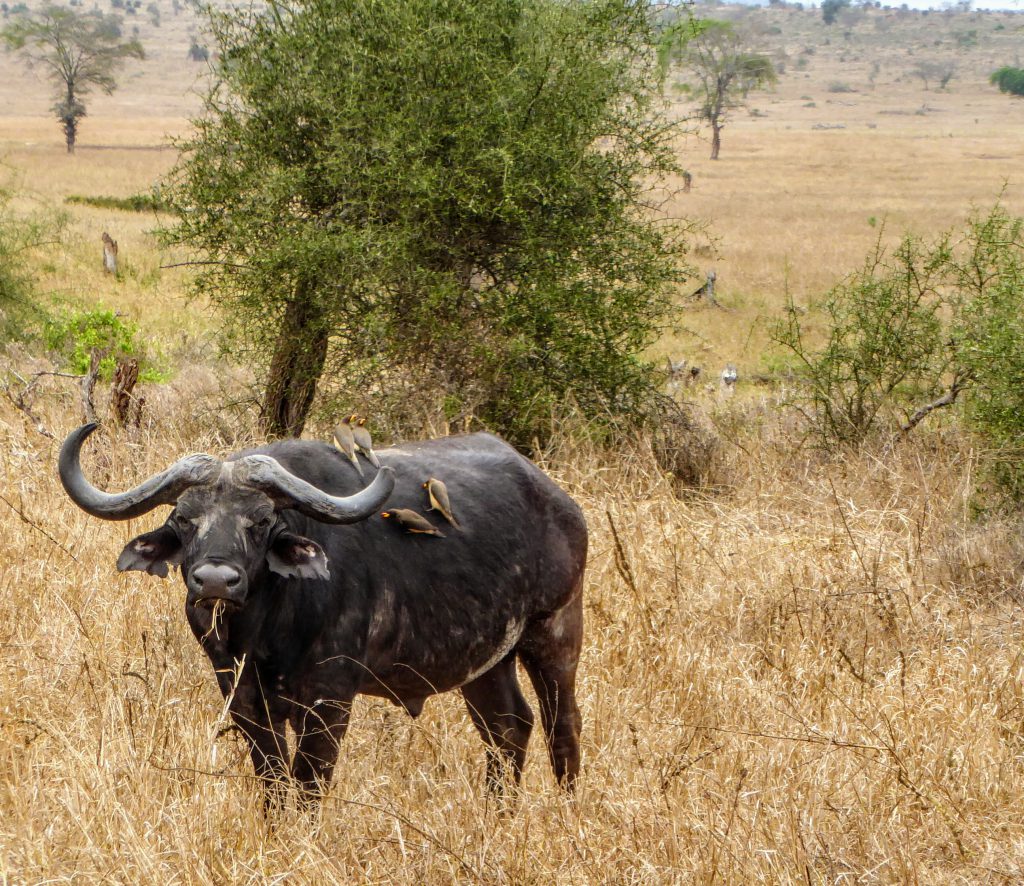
(426, 199)
(724, 68)
(934, 70)
(78, 50)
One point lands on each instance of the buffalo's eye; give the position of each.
(263, 523)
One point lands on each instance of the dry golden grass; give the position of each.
(813, 675)
(816, 675)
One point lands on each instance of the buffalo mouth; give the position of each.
(219, 608)
(217, 605)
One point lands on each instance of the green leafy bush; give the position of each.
(1009, 80)
(910, 325)
(132, 203)
(74, 335)
(988, 275)
(884, 348)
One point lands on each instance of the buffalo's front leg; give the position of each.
(319, 729)
(255, 707)
(261, 719)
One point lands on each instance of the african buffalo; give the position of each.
(302, 596)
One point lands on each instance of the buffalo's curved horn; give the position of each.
(160, 489)
(289, 491)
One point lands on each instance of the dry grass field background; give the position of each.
(811, 672)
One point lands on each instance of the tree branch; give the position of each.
(960, 381)
(189, 264)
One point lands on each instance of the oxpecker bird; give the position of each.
(437, 492)
(345, 442)
(410, 521)
(364, 442)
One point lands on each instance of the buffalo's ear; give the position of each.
(152, 552)
(295, 556)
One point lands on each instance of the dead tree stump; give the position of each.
(125, 376)
(109, 254)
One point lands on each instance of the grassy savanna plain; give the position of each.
(809, 672)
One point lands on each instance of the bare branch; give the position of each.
(960, 381)
(189, 264)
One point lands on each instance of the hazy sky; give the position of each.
(1014, 5)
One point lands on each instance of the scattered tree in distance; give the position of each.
(726, 70)
(78, 51)
(830, 10)
(935, 71)
(1009, 80)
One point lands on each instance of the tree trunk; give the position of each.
(296, 366)
(69, 117)
(126, 375)
(716, 140)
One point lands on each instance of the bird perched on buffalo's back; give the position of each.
(412, 522)
(437, 492)
(364, 442)
(345, 442)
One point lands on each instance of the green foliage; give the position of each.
(423, 200)
(133, 203)
(884, 349)
(830, 10)
(74, 335)
(988, 275)
(77, 50)
(1009, 80)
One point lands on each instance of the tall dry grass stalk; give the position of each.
(813, 675)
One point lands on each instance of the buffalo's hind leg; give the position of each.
(550, 652)
(504, 720)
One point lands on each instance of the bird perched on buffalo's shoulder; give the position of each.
(411, 521)
(437, 492)
(364, 442)
(345, 443)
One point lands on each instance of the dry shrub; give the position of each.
(684, 445)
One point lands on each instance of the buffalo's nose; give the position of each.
(215, 581)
